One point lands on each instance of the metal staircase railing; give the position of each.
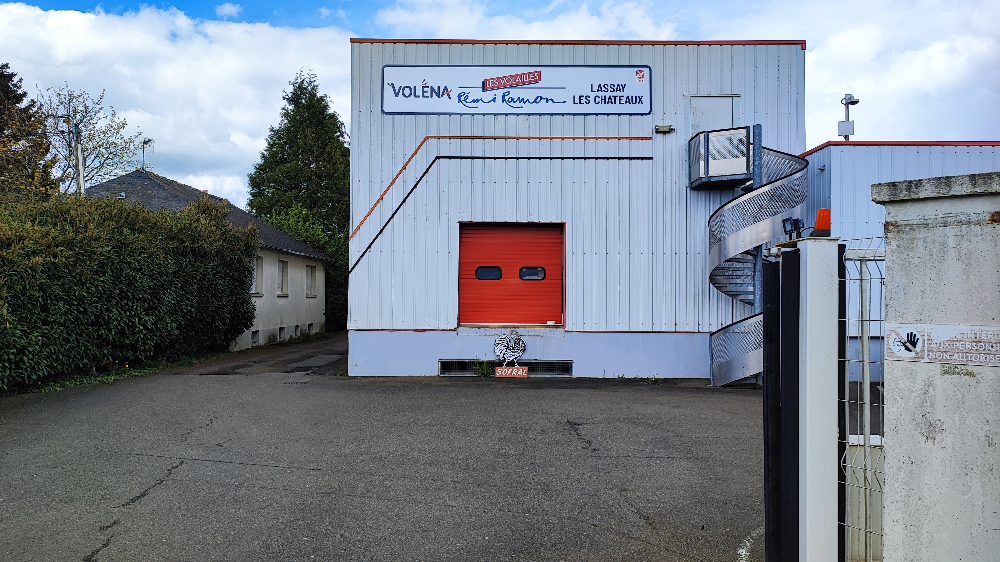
(738, 350)
(719, 159)
(735, 231)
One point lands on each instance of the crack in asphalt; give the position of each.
(110, 525)
(647, 518)
(574, 427)
(184, 436)
(155, 484)
(182, 459)
(96, 551)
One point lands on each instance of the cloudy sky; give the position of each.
(205, 80)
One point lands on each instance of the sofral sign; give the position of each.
(516, 90)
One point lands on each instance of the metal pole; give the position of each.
(758, 180)
(758, 280)
(817, 356)
(758, 156)
(865, 399)
(847, 117)
(78, 139)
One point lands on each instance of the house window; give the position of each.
(255, 337)
(297, 330)
(310, 281)
(281, 333)
(309, 328)
(258, 275)
(282, 278)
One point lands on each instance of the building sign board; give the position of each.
(936, 343)
(516, 90)
(511, 372)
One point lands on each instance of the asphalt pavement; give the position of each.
(268, 455)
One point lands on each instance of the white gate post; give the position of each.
(818, 334)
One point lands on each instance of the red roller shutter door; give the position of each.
(510, 299)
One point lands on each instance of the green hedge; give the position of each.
(87, 282)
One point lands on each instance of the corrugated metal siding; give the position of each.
(636, 256)
(845, 185)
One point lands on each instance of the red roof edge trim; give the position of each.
(897, 143)
(800, 42)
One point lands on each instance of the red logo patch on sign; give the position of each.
(512, 372)
(640, 76)
(512, 80)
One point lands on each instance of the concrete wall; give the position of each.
(942, 421)
(296, 308)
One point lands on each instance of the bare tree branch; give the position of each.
(108, 151)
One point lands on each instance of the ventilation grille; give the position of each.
(467, 367)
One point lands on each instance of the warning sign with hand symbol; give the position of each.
(904, 345)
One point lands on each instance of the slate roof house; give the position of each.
(288, 288)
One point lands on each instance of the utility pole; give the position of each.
(145, 142)
(78, 142)
(75, 135)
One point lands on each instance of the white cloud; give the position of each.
(462, 19)
(324, 12)
(206, 91)
(228, 10)
(233, 188)
(924, 70)
(552, 6)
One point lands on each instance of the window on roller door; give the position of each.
(532, 273)
(489, 273)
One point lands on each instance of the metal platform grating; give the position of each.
(467, 367)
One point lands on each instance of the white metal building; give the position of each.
(841, 174)
(448, 137)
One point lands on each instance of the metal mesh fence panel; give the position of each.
(862, 464)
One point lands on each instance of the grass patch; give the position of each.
(485, 369)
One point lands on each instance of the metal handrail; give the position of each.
(737, 350)
(754, 218)
(728, 149)
(735, 230)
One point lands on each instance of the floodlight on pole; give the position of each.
(845, 128)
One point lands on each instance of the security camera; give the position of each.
(849, 100)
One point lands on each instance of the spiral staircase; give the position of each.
(776, 188)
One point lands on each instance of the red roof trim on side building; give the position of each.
(898, 143)
(800, 42)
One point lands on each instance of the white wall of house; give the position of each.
(288, 304)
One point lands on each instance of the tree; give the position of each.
(302, 183)
(24, 146)
(107, 151)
